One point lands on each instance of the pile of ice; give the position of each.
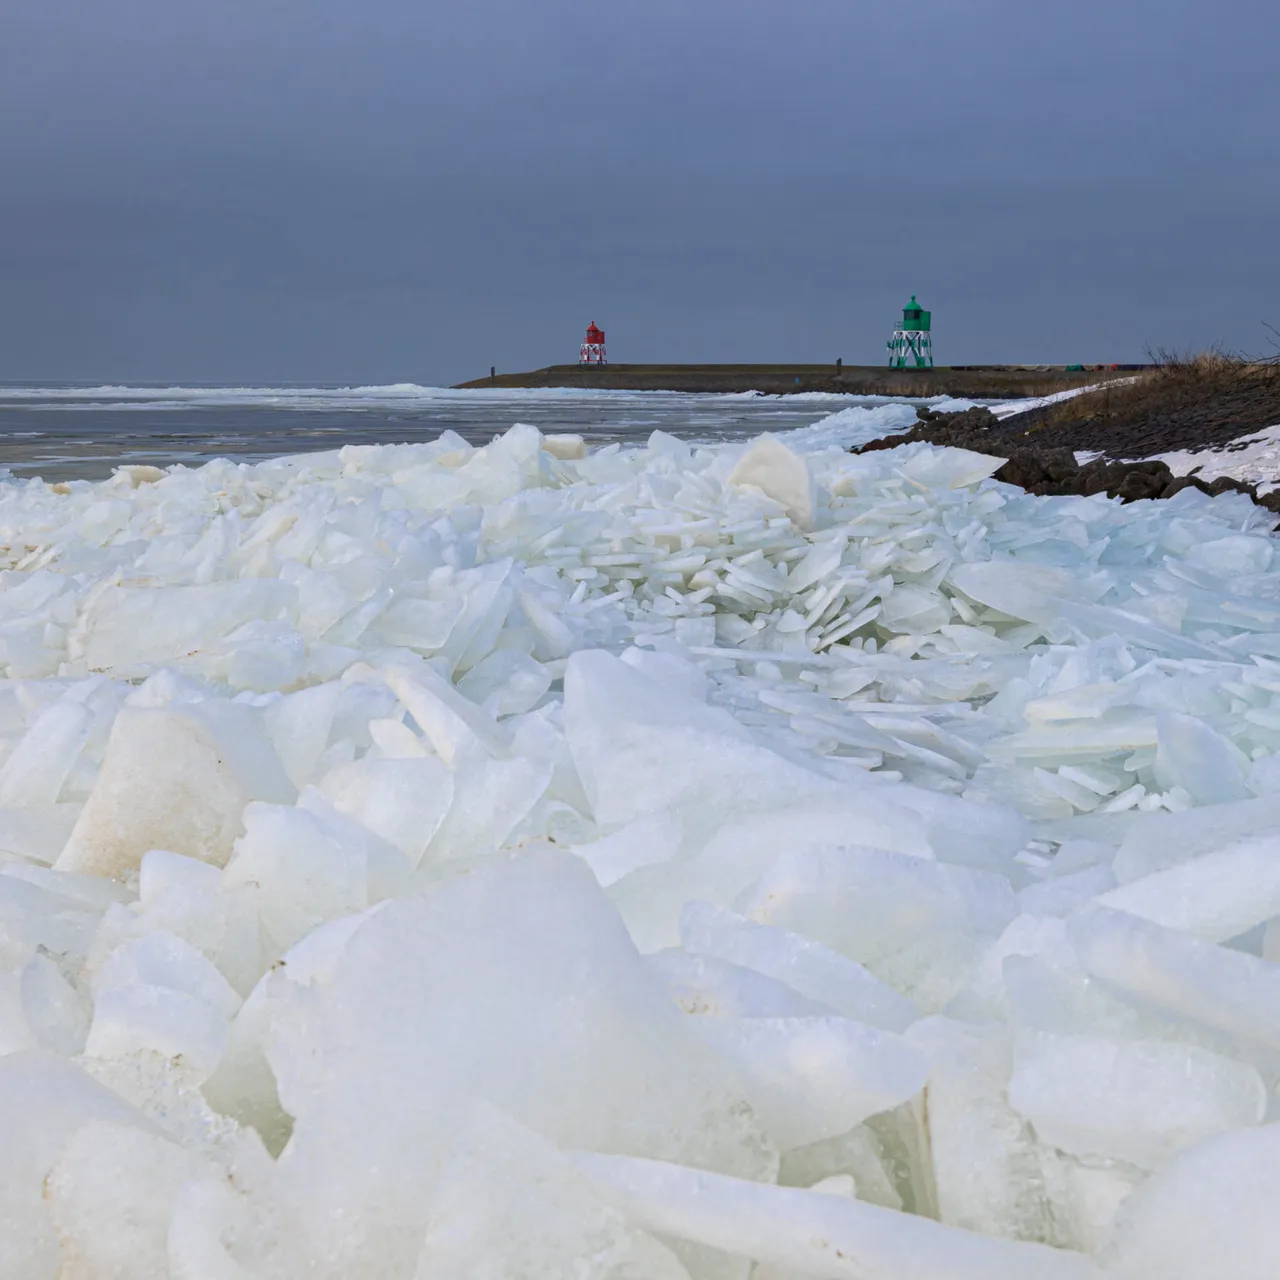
(515, 862)
(859, 425)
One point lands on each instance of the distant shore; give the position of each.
(979, 382)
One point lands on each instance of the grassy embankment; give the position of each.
(1183, 402)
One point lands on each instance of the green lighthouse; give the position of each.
(911, 346)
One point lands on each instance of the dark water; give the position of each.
(67, 432)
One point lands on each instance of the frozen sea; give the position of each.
(65, 431)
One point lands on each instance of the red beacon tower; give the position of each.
(592, 350)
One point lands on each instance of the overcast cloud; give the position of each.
(413, 190)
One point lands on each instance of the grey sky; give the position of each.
(412, 190)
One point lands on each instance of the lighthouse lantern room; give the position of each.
(592, 350)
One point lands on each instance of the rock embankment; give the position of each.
(1053, 469)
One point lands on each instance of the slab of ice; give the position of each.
(627, 733)
(174, 778)
(1217, 895)
(111, 1196)
(299, 725)
(1063, 894)
(1021, 591)
(34, 920)
(565, 445)
(984, 835)
(510, 1205)
(455, 726)
(404, 801)
(1133, 1101)
(131, 629)
(705, 985)
(639, 844)
(1227, 990)
(190, 900)
(507, 682)
(211, 1218)
(812, 1234)
(1162, 840)
(915, 924)
(607, 1060)
(858, 1156)
(243, 1086)
(303, 866)
(652, 899)
(1207, 766)
(47, 1011)
(984, 995)
(817, 971)
(810, 1078)
(1206, 1213)
(44, 1099)
(163, 960)
(986, 1165)
(491, 798)
(33, 776)
(15, 1032)
(38, 835)
(771, 467)
(951, 468)
(143, 1019)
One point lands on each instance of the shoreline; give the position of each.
(977, 382)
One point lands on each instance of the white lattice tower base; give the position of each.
(592, 353)
(911, 348)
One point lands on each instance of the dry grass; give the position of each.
(1185, 401)
(1175, 382)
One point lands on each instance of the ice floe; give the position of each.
(678, 861)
